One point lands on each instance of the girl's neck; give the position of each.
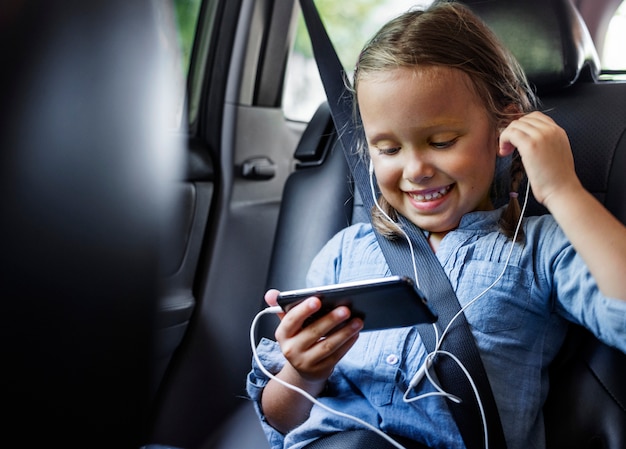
(434, 238)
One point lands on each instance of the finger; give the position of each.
(524, 132)
(324, 353)
(343, 349)
(533, 124)
(334, 345)
(293, 321)
(328, 355)
(295, 339)
(324, 326)
(506, 146)
(271, 297)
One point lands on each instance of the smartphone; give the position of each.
(381, 303)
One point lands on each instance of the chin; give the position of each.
(435, 224)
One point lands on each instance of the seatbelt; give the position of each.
(433, 280)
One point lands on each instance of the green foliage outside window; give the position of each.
(348, 40)
(187, 12)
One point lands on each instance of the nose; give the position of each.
(417, 168)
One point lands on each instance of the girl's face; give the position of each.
(432, 144)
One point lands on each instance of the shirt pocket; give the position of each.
(373, 364)
(505, 305)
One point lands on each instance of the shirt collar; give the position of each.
(484, 220)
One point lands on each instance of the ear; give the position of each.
(510, 113)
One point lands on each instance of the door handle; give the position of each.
(258, 169)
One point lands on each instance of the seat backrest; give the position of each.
(85, 165)
(318, 192)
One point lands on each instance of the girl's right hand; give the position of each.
(314, 350)
(546, 155)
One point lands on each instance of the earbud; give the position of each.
(371, 168)
(421, 373)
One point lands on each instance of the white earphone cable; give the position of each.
(424, 370)
(380, 209)
(303, 392)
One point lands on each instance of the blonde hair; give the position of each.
(449, 34)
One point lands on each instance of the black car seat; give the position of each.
(586, 407)
(85, 176)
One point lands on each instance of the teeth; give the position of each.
(431, 196)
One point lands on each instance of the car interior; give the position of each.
(140, 232)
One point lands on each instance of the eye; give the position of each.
(443, 144)
(388, 151)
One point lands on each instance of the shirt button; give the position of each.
(392, 359)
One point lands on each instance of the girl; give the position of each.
(440, 101)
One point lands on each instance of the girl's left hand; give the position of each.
(546, 154)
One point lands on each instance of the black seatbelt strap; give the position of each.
(433, 281)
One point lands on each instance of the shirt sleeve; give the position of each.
(577, 296)
(273, 360)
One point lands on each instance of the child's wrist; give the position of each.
(315, 387)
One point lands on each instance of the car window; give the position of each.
(613, 55)
(187, 14)
(303, 91)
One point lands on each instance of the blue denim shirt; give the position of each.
(518, 326)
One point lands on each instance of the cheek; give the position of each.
(479, 178)
(387, 174)
(477, 166)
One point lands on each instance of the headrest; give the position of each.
(548, 37)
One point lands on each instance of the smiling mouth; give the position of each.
(433, 195)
